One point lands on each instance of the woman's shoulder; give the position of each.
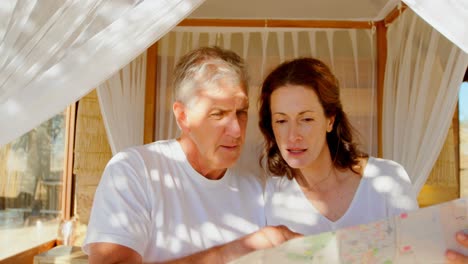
(390, 180)
(379, 165)
(380, 170)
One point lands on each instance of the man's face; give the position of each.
(216, 123)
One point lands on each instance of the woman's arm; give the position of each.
(455, 257)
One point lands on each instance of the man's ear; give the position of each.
(180, 113)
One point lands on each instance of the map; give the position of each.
(421, 236)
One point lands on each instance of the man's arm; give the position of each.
(112, 253)
(266, 237)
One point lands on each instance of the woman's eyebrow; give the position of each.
(307, 111)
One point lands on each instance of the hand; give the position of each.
(270, 236)
(455, 257)
(267, 237)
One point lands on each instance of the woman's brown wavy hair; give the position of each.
(314, 74)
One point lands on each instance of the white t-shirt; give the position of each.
(151, 200)
(384, 191)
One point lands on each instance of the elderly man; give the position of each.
(184, 200)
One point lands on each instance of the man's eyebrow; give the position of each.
(244, 105)
(218, 108)
(226, 109)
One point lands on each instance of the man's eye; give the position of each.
(241, 113)
(216, 114)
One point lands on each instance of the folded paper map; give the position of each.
(421, 236)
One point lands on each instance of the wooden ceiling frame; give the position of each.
(379, 26)
(274, 23)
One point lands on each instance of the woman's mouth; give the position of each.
(296, 150)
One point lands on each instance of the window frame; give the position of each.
(67, 193)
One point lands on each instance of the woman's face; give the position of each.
(299, 125)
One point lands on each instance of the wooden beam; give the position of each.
(150, 94)
(394, 14)
(273, 23)
(28, 255)
(381, 61)
(67, 181)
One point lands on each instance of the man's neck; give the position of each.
(199, 164)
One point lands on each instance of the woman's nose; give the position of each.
(294, 133)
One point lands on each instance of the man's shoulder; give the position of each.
(142, 154)
(159, 146)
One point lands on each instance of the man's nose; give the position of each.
(233, 127)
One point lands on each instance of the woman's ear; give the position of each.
(180, 113)
(331, 120)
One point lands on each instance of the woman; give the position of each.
(322, 181)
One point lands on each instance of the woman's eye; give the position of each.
(280, 121)
(307, 119)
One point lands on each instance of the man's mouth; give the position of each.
(229, 146)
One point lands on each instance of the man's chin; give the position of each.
(228, 162)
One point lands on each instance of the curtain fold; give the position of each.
(122, 102)
(448, 17)
(54, 52)
(423, 73)
(350, 53)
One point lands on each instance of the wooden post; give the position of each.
(67, 182)
(456, 141)
(150, 94)
(381, 61)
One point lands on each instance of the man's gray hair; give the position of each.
(203, 68)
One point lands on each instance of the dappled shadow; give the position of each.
(165, 215)
(384, 191)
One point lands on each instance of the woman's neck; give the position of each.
(321, 175)
(324, 176)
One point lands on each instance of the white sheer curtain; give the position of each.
(122, 103)
(423, 74)
(449, 17)
(54, 52)
(350, 54)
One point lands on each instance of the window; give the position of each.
(31, 177)
(449, 176)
